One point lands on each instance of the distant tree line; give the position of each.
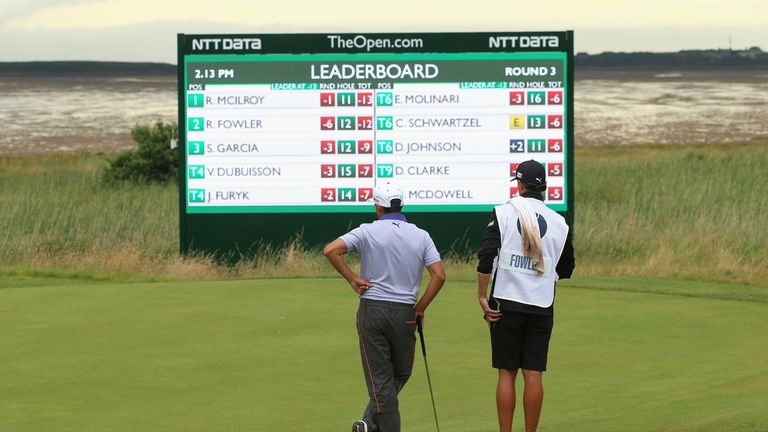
(85, 68)
(751, 59)
(721, 59)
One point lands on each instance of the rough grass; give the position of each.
(686, 212)
(675, 211)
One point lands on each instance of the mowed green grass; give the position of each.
(281, 354)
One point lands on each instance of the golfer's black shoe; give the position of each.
(360, 426)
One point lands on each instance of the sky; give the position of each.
(145, 30)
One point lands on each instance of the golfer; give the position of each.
(393, 254)
(527, 247)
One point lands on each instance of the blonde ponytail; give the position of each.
(529, 231)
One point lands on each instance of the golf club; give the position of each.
(426, 366)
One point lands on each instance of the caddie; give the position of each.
(527, 247)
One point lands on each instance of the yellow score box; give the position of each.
(517, 122)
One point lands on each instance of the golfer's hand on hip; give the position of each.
(360, 285)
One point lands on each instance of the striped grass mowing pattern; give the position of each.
(672, 211)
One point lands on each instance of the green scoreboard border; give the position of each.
(235, 235)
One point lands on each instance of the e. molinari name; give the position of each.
(420, 99)
(263, 171)
(234, 100)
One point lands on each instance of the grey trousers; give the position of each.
(387, 333)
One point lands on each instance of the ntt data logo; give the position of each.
(363, 42)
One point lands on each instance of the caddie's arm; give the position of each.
(436, 281)
(491, 315)
(487, 254)
(334, 252)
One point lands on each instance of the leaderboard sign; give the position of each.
(298, 125)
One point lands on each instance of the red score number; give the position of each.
(365, 99)
(517, 98)
(555, 145)
(365, 146)
(327, 99)
(327, 170)
(364, 194)
(555, 169)
(365, 170)
(555, 121)
(327, 123)
(555, 98)
(327, 194)
(513, 192)
(555, 194)
(327, 147)
(513, 169)
(365, 123)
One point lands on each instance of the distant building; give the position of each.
(753, 53)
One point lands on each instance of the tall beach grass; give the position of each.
(672, 211)
(684, 212)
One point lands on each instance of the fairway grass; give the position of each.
(281, 354)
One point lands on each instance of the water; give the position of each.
(670, 112)
(49, 115)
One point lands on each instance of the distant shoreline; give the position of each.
(661, 75)
(751, 64)
(84, 69)
(580, 74)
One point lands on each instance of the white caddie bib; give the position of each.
(515, 275)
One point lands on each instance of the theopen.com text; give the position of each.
(362, 42)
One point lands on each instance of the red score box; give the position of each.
(555, 169)
(555, 193)
(555, 145)
(517, 98)
(327, 123)
(327, 147)
(555, 122)
(365, 170)
(327, 194)
(327, 170)
(513, 192)
(327, 99)
(555, 98)
(513, 169)
(365, 99)
(365, 123)
(364, 194)
(364, 146)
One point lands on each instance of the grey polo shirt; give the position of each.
(393, 254)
